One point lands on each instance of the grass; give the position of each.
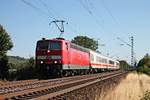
(146, 96)
(132, 87)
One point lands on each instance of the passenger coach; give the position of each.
(99, 62)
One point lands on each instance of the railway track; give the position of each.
(30, 84)
(51, 89)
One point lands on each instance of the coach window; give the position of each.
(104, 60)
(98, 59)
(117, 64)
(91, 57)
(111, 62)
(66, 45)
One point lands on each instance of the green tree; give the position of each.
(85, 42)
(5, 45)
(124, 65)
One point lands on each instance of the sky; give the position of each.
(27, 21)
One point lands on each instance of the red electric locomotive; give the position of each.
(56, 57)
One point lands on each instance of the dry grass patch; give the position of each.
(131, 88)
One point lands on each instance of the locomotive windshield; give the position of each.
(48, 45)
(54, 46)
(42, 45)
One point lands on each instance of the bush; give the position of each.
(4, 67)
(146, 96)
(27, 72)
(23, 71)
(143, 69)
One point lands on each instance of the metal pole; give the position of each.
(132, 51)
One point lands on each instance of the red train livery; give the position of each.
(60, 57)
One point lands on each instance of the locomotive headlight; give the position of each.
(41, 62)
(48, 51)
(55, 62)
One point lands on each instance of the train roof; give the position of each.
(54, 39)
(104, 56)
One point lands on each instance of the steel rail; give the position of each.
(51, 88)
(60, 94)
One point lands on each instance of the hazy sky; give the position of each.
(99, 19)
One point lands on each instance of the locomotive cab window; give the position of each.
(55, 46)
(44, 45)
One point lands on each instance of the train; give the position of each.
(60, 57)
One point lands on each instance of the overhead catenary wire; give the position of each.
(87, 8)
(93, 8)
(36, 8)
(68, 24)
(123, 41)
(48, 13)
(47, 8)
(109, 12)
(114, 18)
(107, 9)
(118, 24)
